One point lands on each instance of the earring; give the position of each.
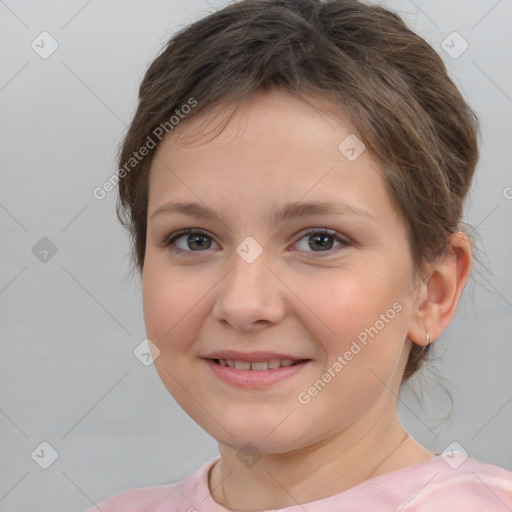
(427, 335)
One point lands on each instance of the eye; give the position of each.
(321, 238)
(192, 238)
(195, 239)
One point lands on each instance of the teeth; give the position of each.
(242, 365)
(257, 366)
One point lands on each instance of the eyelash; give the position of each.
(317, 254)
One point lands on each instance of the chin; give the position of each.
(268, 433)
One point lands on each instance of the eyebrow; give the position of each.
(287, 211)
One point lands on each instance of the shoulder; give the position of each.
(161, 498)
(142, 499)
(464, 484)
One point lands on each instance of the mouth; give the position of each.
(257, 374)
(270, 364)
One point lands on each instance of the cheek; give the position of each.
(172, 307)
(367, 329)
(171, 301)
(361, 363)
(355, 303)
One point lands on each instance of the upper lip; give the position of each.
(251, 357)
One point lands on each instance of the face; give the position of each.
(330, 288)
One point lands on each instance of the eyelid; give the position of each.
(343, 239)
(337, 236)
(169, 240)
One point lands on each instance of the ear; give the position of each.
(439, 294)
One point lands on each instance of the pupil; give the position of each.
(195, 238)
(323, 243)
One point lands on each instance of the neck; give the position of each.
(365, 449)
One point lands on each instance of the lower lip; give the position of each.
(254, 378)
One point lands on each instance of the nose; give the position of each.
(251, 295)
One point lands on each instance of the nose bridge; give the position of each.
(249, 271)
(250, 291)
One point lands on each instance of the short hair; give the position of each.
(362, 58)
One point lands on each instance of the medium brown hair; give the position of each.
(391, 83)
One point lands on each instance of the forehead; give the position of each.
(270, 109)
(274, 145)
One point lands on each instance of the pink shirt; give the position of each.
(433, 486)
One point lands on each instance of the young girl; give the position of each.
(294, 181)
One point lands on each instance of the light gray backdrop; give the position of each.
(71, 318)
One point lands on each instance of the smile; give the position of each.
(257, 366)
(257, 374)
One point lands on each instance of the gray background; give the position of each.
(70, 323)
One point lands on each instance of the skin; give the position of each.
(311, 302)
